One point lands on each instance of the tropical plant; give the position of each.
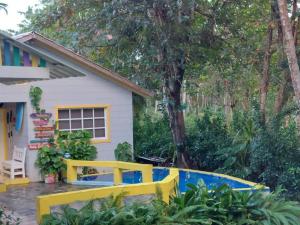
(50, 161)
(124, 152)
(152, 136)
(77, 144)
(236, 156)
(206, 135)
(198, 205)
(35, 95)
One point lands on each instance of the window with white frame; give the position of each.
(93, 120)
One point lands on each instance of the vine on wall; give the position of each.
(35, 95)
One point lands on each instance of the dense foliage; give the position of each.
(77, 144)
(207, 134)
(124, 152)
(197, 206)
(49, 161)
(152, 136)
(244, 148)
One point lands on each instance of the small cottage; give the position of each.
(77, 95)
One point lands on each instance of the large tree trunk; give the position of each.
(177, 125)
(173, 84)
(283, 91)
(264, 84)
(289, 47)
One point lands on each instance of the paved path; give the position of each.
(21, 199)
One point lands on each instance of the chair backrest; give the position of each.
(19, 154)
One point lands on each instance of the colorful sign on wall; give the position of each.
(44, 130)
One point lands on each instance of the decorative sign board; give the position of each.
(37, 146)
(44, 135)
(43, 116)
(44, 128)
(40, 122)
(35, 141)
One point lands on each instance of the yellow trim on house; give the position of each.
(107, 109)
(5, 139)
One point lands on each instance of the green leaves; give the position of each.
(124, 152)
(50, 161)
(77, 144)
(198, 206)
(35, 95)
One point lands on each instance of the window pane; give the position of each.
(63, 114)
(99, 112)
(88, 123)
(87, 113)
(76, 113)
(99, 133)
(99, 123)
(76, 124)
(64, 125)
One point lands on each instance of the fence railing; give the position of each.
(166, 186)
(117, 167)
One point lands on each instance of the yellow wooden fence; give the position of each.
(117, 166)
(166, 186)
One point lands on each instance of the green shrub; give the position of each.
(276, 158)
(123, 152)
(49, 161)
(152, 136)
(235, 157)
(197, 206)
(206, 135)
(77, 144)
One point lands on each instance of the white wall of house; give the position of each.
(90, 89)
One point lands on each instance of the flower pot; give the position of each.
(50, 179)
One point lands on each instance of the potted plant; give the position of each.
(50, 163)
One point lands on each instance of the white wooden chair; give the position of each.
(16, 166)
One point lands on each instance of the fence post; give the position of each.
(71, 171)
(118, 179)
(42, 208)
(147, 173)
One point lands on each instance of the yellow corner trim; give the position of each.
(107, 109)
(5, 141)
